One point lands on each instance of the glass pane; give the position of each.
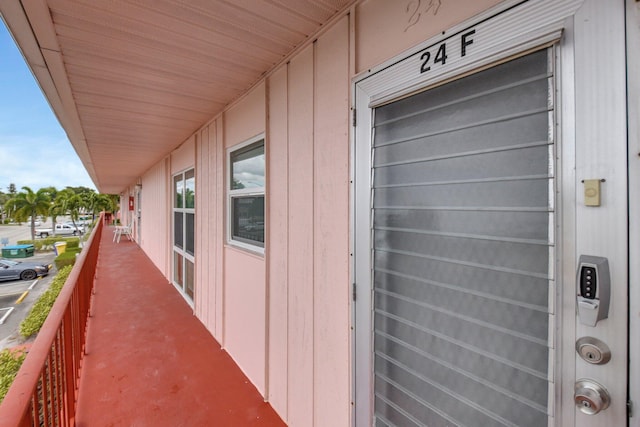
(190, 189)
(189, 233)
(248, 219)
(178, 187)
(177, 269)
(247, 167)
(189, 279)
(178, 229)
(461, 255)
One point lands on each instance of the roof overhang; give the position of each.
(130, 81)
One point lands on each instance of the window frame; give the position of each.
(234, 194)
(177, 251)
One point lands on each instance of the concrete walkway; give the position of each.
(150, 362)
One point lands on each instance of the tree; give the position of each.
(4, 198)
(27, 204)
(99, 203)
(54, 210)
(12, 189)
(69, 203)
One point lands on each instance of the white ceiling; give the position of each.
(131, 80)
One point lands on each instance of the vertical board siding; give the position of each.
(245, 312)
(244, 272)
(277, 240)
(214, 242)
(184, 156)
(155, 216)
(245, 119)
(219, 185)
(209, 235)
(331, 228)
(200, 267)
(300, 278)
(204, 284)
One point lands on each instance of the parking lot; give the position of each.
(18, 296)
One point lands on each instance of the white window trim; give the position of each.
(260, 191)
(175, 249)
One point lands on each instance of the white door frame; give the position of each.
(633, 99)
(592, 145)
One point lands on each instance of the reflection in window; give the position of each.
(190, 189)
(247, 167)
(190, 233)
(248, 219)
(178, 191)
(178, 273)
(178, 229)
(246, 195)
(189, 278)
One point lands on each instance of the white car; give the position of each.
(66, 229)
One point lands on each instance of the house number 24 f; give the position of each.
(429, 60)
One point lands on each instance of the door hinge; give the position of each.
(629, 409)
(353, 292)
(354, 117)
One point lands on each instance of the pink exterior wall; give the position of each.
(246, 118)
(245, 311)
(209, 228)
(155, 228)
(308, 240)
(332, 290)
(385, 28)
(299, 304)
(285, 316)
(184, 156)
(245, 291)
(277, 240)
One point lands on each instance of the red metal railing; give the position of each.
(45, 391)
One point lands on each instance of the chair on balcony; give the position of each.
(122, 229)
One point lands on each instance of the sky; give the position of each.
(34, 149)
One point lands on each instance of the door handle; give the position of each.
(591, 397)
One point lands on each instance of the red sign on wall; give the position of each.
(130, 203)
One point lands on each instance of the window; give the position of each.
(246, 195)
(184, 203)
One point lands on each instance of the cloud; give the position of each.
(34, 150)
(250, 171)
(39, 162)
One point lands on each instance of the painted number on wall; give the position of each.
(417, 8)
(437, 56)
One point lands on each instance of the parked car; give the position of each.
(66, 229)
(12, 270)
(79, 226)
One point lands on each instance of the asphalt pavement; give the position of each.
(13, 233)
(17, 296)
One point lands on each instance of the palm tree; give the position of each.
(4, 197)
(99, 203)
(54, 210)
(27, 204)
(69, 203)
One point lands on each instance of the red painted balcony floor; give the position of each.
(150, 362)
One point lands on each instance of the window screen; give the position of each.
(461, 218)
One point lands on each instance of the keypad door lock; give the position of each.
(591, 397)
(593, 289)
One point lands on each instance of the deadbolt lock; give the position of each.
(591, 397)
(593, 351)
